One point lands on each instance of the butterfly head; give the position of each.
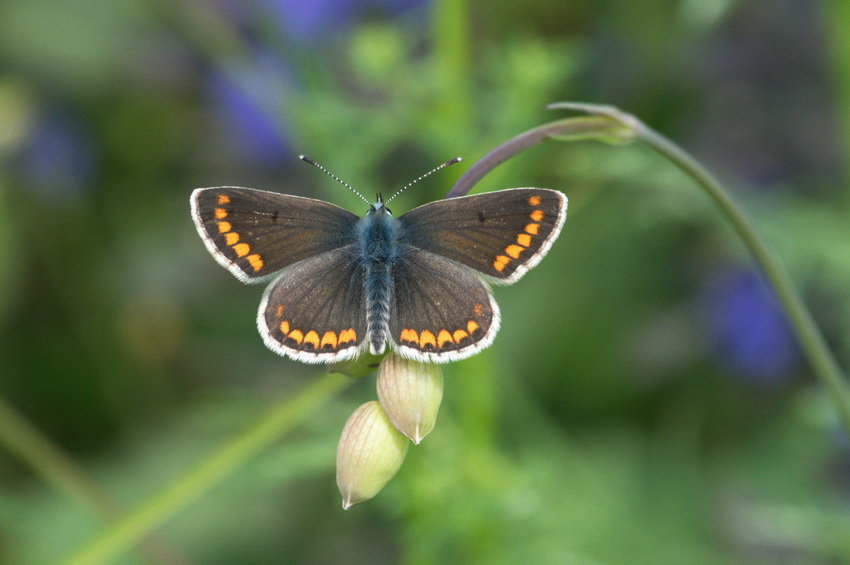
(379, 207)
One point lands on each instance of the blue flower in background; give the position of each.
(247, 97)
(309, 21)
(750, 328)
(305, 20)
(245, 100)
(59, 160)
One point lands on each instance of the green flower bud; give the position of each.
(369, 454)
(355, 368)
(410, 393)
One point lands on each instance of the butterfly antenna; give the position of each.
(306, 159)
(429, 173)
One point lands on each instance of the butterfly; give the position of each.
(343, 284)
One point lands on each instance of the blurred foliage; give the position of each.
(644, 401)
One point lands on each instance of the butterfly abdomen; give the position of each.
(377, 305)
(377, 253)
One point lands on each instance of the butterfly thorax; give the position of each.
(378, 249)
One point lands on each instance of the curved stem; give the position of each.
(810, 337)
(570, 128)
(158, 508)
(609, 124)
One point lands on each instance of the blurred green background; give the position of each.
(644, 402)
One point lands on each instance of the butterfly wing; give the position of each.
(254, 233)
(314, 312)
(499, 234)
(440, 310)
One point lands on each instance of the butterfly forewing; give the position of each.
(499, 234)
(440, 310)
(315, 312)
(254, 233)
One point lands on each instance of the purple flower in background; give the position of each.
(750, 328)
(59, 160)
(306, 20)
(310, 21)
(245, 100)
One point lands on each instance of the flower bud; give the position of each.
(355, 368)
(410, 393)
(369, 454)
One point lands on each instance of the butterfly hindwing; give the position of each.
(254, 233)
(500, 234)
(441, 310)
(314, 311)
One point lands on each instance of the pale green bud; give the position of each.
(369, 454)
(410, 393)
(355, 368)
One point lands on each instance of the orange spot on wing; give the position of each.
(224, 227)
(471, 326)
(537, 215)
(312, 338)
(348, 335)
(242, 249)
(533, 229)
(478, 309)
(534, 201)
(256, 261)
(329, 339)
(500, 262)
(523, 239)
(279, 310)
(225, 199)
(459, 335)
(409, 336)
(231, 238)
(220, 213)
(297, 336)
(284, 326)
(513, 251)
(425, 338)
(444, 337)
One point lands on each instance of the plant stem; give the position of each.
(609, 124)
(49, 462)
(158, 508)
(810, 337)
(453, 62)
(576, 128)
